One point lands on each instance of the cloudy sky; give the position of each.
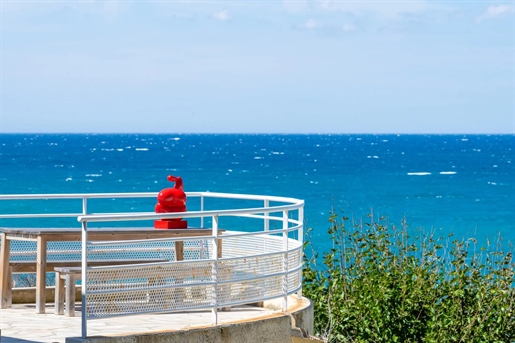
(258, 66)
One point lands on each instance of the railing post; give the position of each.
(301, 241)
(84, 270)
(267, 215)
(202, 210)
(267, 226)
(284, 304)
(214, 270)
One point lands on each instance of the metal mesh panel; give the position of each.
(175, 286)
(23, 251)
(132, 251)
(246, 268)
(197, 249)
(294, 280)
(148, 288)
(56, 251)
(250, 291)
(71, 251)
(295, 258)
(244, 246)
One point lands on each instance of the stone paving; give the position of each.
(21, 323)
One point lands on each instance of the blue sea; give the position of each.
(463, 184)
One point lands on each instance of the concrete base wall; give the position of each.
(27, 295)
(301, 311)
(272, 330)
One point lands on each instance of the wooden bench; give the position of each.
(70, 275)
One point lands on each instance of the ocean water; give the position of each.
(463, 184)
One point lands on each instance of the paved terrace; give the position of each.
(20, 324)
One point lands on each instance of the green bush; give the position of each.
(380, 283)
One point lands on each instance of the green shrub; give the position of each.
(380, 283)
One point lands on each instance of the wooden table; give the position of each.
(44, 235)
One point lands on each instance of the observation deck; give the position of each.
(240, 281)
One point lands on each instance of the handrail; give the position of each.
(189, 214)
(295, 204)
(76, 196)
(144, 195)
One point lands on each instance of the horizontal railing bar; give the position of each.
(271, 233)
(145, 195)
(75, 215)
(155, 264)
(39, 215)
(76, 196)
(265, 254)
(249, 197)
(256, 216)
(192, 214)
(151, 240)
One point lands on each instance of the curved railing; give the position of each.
(233, 265)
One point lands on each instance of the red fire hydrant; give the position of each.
(171, 200)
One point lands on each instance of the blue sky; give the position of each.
(315, 66)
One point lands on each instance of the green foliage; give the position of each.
(380, 283)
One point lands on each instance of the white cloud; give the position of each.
(383, 8)
(222, 15)
(493, 12)
(310, 24)
(334, 16)
(327, 28)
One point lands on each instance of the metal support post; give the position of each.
(214, 270)
(301, 241)
(84, 270)
(285, 262)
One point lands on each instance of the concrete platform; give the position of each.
(21, 324)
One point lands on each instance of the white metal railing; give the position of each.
(254, 266)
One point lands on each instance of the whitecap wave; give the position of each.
(419, 173)
(448, 172)
(141, 149)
